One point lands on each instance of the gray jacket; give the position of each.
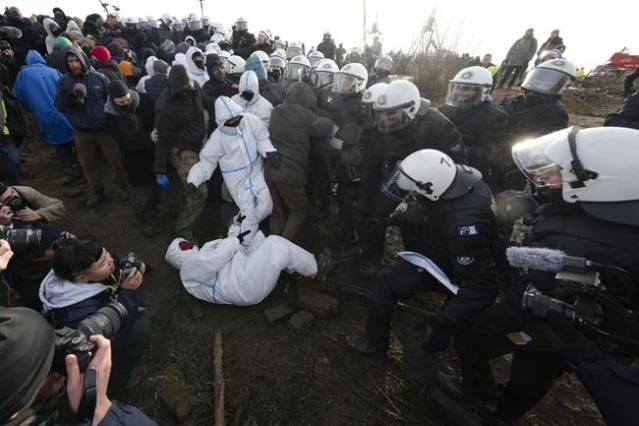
(522, 51)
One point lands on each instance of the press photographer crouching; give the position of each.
(576, 306)
(85, 278)
(25, 216)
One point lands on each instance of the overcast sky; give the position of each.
(591, 31)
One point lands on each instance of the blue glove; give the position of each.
(162, 181)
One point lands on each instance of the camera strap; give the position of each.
(577, 168)
(88, 400)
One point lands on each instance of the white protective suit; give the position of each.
(240, 152)
(148, 65)
(50, 40)
(224, 271)
(258, 105)
(200, 76)
(74, 29)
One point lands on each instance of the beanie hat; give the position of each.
(101, 53)
(116, 50)
(160, 67)
(61, 41)
(117, 89)
(27, 345)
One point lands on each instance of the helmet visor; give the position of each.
(531, 160)
(397, 186)
(347, 84)
(293, 51)
(295, 72)
(391, 121)
(464, 95)
(314, 60)
(546, 81)
(323, 79)
(276, 61)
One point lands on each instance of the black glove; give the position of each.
(569, 342)
(241, 235)
(191, 190)
(437, 336)
(275, 158)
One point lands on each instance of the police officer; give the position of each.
(381, 70)
(538, 110)
(405, 123)
(461, 226)
(243, 41)
(482, 123)
(595, 216)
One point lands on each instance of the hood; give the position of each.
(180, 59)
(225, 109)
(34, 57)
(301, 94)
(148, 66)
(182, 47)
(249, 83)
(56, 292)
(73, 50)
(46, 22)
(187, 38)
(179, 80)
(192, 68)
(253, 63)
(111, 108)
(175, 256)
(74, 29)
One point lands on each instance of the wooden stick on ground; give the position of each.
(218, 384)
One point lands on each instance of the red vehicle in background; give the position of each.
(619, 64)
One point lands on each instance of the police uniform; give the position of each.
(459, 231)
(430, 130)
(505, 327)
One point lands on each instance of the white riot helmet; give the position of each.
(279, 52)
(212, 48)
(431, 174)
(383, 65)
(597, 167)
(217, 38)
(324, 73)
(470, 86)
(152, 23)
(235, 64)
(368, 100)
(350, 79)
(397, 106)
(298, 67)
(241, 24)
(277, 62)
(262, 56)
(550, 77)
(224, 57)
(314, 57)
(195, 24)
(166, 19)
(263, 36)
(294, 49)
(177, 26)
(205, 21)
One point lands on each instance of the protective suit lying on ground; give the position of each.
(227, 272)
(250, 100)
(239, 144)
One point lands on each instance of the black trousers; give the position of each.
(515, 70)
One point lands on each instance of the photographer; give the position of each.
(592, 327)
(26, 204)
(84, 278)
(30, 388)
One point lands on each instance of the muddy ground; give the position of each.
(275, 375)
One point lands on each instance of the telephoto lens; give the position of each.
(21, 240)
(107, 320)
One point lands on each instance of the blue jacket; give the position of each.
(87, 116)
(125, 415)
(35, 88)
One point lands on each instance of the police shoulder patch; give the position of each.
(467, 230)
(465, 260)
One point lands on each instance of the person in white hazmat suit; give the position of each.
(239, 145)
(195, 65)
(250, 100)
(226, 271)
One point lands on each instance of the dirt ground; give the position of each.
(275, 375)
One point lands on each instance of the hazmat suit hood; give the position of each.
(74, 29)
(301, 94)
(187, 38)
(148, 65)
(225, 109)
(190, 64)
(34, 57)
(249, 83)
(253, 63)
(46, 23)
(178, 252)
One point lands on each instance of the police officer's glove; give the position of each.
(437, 336)
(241, 235)
(191, 190)
(275, 158)
(80, 92)
(514, 205)
(162, 181)
(573, 345)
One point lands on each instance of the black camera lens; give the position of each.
(21, 240)
(107, 320)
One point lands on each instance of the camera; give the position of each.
(128, 263)
(15, 203)
(583, 311)
(22, 239)
(107, 320)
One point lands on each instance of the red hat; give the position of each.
(101, 53)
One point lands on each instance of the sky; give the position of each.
(591, 31)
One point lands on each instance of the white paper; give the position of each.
(429, 266)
